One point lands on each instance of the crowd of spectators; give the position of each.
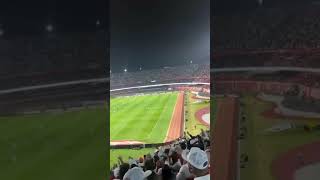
(307, 58)
(304, 78)
(37, 59)
(278, 35)
(184, 73)
(277, 27)
(202, 74)
(186, 159)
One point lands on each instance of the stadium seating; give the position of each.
(185, 73)
(304, 78)
(167, 162)
(283, 35)
(43, 59)
(280, 27)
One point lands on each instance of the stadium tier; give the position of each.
(35, 60)
(298, 57)
(186, 73)
(279, 26)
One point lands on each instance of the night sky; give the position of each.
(32, 17)
(158, 33)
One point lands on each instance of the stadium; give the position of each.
(266, 84)
(155, 110)
(159, 89)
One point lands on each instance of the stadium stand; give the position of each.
(278, 35)
(185, 73)
(266, 57)
(45, 59)
(279, 27)
(304, 78)
(170, 161)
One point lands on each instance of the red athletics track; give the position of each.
(200, 113)
(176, 124)
(224, 154)
(284, 167)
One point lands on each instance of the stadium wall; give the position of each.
(141, 146)
(205, 88)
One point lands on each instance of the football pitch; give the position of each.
(263, 148)
(144, 118)
(64, 146)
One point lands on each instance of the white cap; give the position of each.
(116, 172)
(198, 158)
(135, 173)
(132, 161)
(141, 164)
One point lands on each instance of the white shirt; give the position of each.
(183, 172)
(159, 171)
(206, 177)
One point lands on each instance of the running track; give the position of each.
(175, 129)
(224, 154)
(284, 167)
(200, 113)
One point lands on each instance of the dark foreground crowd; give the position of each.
(186, 159)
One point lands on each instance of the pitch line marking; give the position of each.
(157, 122)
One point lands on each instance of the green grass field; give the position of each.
(151, 101)
(143, 118)
(66, 146)
(263, 148)
(192, 120)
